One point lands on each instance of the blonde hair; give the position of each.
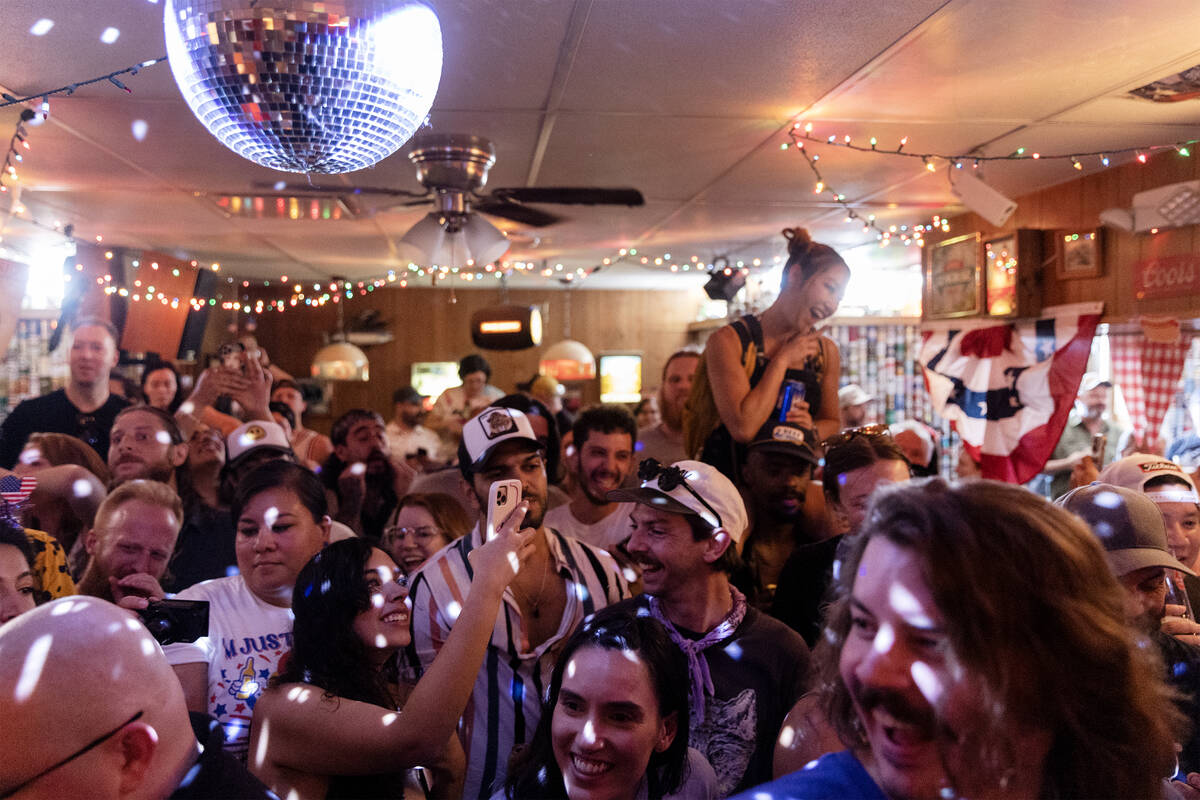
(155, 493)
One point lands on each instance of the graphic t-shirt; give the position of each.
(758, 674)
(246, 638)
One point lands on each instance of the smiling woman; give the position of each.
(327, 727)
(772, 366)
(618, 721)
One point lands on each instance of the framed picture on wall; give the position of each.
(1078, 254)
(953, 278)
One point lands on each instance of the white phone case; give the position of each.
(503, 498)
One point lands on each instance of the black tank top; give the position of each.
(720, 449)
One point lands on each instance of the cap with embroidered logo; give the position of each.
(494, 426)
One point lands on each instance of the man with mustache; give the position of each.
(131, 542)
(362, 473)
(602, 459)
(776, 477)
(977, 647)
(561, 582)
(146, 445)
(746, 669)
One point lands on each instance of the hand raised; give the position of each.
(499, 559)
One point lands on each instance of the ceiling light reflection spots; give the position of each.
(927, 681)
(109, 35)
(884, 639)
(139, 129)
(260, 752)
(787, 736)
(41, 27)
(908, 607)
(31, 670)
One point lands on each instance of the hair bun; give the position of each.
(799, 241)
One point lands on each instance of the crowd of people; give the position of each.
(738, 589)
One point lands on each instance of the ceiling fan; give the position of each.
(453, 168)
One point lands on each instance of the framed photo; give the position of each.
(953, 278)
(1078, 254)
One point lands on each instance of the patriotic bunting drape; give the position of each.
(1008, 388)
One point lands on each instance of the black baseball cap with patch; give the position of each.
(786, 439)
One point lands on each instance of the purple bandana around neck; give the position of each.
(701, 680)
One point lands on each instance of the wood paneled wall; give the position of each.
(1078, 204)
(428, 327)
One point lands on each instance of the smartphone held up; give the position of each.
(503, 499)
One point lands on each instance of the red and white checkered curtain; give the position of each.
(1148, 374)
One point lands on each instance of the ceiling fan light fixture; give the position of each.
(485, 242)
(475, 241)
(427, 235)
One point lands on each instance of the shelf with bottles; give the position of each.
(29, 368)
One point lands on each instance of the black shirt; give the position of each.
(54, 413)
(803, 583)
(204, 549)
(217, 773)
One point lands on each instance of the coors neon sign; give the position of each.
(1169, 276)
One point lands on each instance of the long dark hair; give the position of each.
(535, 772)
(326, 652)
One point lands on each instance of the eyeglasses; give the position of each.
(90, 746)
(671, 478)
(424, 532)
(866, 431)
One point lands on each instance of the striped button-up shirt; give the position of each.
(506, 702)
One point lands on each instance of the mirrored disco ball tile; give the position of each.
(305, 86)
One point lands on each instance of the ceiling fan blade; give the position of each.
(499, 207)
(573, 195)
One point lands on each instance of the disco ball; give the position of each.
(306, 86)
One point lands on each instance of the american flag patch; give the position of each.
(15, 490)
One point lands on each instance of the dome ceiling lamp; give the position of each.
(340, 360)
(569, 359)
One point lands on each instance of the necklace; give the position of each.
(535, 601)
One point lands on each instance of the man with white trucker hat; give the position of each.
(746, 669)
(559, 584)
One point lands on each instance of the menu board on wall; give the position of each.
(953, 278)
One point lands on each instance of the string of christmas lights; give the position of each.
(804, 131)
(113, 77)
(16, 144)
(909, 235)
